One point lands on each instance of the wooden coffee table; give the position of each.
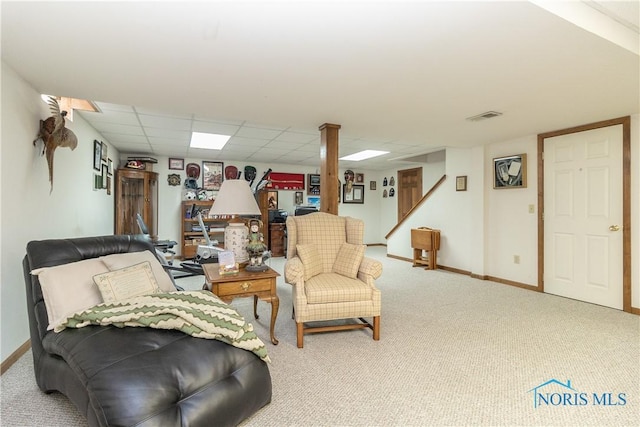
(260, 285)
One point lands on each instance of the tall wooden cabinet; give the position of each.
(136, 192)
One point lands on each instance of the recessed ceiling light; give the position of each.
(209, 141)
(363, 155)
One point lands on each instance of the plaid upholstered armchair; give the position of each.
(332, 279)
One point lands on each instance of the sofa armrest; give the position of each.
(370, 267)
(294, 271)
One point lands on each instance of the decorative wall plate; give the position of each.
(173, 179)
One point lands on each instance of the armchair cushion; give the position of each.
(330, 288)
(348, 260)
(311, 260)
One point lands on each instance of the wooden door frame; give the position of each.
(626, 200)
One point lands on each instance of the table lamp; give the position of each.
(235, 199)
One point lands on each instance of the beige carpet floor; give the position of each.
(453, 351)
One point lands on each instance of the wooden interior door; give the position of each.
(409, 190)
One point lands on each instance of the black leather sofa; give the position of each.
(137, 376)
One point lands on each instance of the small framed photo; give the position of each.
(356, 195)
(510, 172)
(103, 152)
(109, 167)
(298, 198)
(103, 178)
(314, 201)
(461, 183)
(372, 185)
(272, 198)
(97, 154)
(109, 185)
(176, 164)
(360, 178)
(212, 175)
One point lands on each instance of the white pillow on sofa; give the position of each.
(120, 261)
(69, 288)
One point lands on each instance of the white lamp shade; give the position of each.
(235, 198)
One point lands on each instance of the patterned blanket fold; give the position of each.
(200, 314)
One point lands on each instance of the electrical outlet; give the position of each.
(532, 209)
(516, 259)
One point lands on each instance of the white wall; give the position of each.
(28, 211)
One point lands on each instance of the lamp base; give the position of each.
(235, 239)
(257, 268)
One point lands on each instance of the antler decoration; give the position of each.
(53, 134)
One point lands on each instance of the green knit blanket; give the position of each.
(200, 314)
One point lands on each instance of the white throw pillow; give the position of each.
(119, 261)
(69, 288)
(128, 282)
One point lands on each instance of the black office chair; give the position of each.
(163, 246)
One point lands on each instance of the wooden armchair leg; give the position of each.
(376, 328)
(300, 328)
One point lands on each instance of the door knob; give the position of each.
(614, 227)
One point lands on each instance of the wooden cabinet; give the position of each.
(136, 192)
(277, 239)
(191, 236)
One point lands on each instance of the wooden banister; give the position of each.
(422, 200)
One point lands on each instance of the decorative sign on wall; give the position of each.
(286, 181)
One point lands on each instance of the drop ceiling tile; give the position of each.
(161, 122)
(203, 154)
(117, 128)
(283, 145)
(178, 143)
(162, 113)
(168, 133)
(265, 126)
(212, 127)
(117, 117)
(296, 137)
(251, 142)
(218, 120)
(122, 138)
(258, 133)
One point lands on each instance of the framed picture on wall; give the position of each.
(272, 198)
(461, 183)
(97, 154)
(298, 198)
(212, 175)
(356, 195)
(510, 171)
(176, 164)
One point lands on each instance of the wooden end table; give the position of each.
(260, 285)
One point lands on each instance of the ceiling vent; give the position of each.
(484, 116)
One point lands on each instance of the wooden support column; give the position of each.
(329, 186)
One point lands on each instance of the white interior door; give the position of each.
(583, 216)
